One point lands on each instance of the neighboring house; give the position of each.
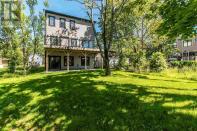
(38, 60)
(69, 43)
(187, 48)
(3, 62)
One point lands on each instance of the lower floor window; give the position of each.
(83, 61)
(71, 61)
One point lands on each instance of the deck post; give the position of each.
(46, 61)
(85, 61)
(68, 61)
(188, 55)
(102, 63)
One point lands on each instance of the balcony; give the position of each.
(69, 43)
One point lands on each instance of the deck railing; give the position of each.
(65, 42)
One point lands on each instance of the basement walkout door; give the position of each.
(54, 62)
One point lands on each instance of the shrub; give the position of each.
(158, 62)
(139, 61)
(181, 64)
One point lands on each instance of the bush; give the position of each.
(181, 64)
(158, 62)
(139, 61)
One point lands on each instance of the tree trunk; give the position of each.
(106, 63)
(24, 61)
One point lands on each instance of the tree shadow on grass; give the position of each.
(74, 101)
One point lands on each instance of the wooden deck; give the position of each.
(63, 48)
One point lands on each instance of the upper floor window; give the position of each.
(187, 43)
(85, 44)
(62, 23)
(72, 24)
(51, 20)
(73, 42)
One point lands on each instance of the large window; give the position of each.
(51, 20)
(72, 24)
(83, 61)
(62, 23)
(54, 40)
(71, 61)
(85, 44)
(187, 43)
(54, 62)
(73, 42)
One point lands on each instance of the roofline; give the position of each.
(65, 15)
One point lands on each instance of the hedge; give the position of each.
(181, 64)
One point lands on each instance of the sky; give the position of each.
(68, 7)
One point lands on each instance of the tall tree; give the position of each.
(24, 37)
(36, 26)
(10, 39)
(108, 11)
(179, 17)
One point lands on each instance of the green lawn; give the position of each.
(89, 101)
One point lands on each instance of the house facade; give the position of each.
(69, 43)
(187, 48)
(3, 62)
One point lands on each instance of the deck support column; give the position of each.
(102, 63)
(188, 55)
(85, 60)
(68, 61)
(46, 61)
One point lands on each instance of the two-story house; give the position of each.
(187, 48)
(69, 43)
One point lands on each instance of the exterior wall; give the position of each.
(187, 52)
(3, 63)
(193, 47)
(77, 60)
(83, 30)
(61, 41)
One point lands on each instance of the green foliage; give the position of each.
(179, 17)
(158, 62)
(181, 64)
(139, 61)
(22, 38)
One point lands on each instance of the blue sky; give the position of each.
(64, 6)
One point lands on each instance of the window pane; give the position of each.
(62, 23)
(71, 61)
(189, 43)
(83, 61)
(91, 45)
(185, 43)
(85, 44)
(72, 25)
(51, 20)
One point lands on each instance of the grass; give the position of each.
(89, 101)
